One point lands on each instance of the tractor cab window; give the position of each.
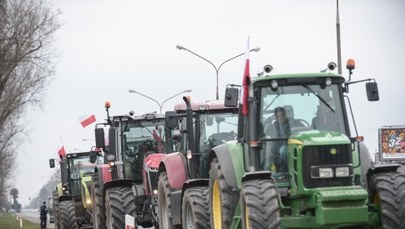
(294, 110)
(80, 166)
(141, 138)
(215, 129)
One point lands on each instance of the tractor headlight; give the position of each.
(342, 172)
(88, 201)
(325, 173)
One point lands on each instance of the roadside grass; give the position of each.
(9, 221)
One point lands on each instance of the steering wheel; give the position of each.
(303, 122)
(86, 173)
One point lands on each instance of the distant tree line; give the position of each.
(27, 61)
(46, 191)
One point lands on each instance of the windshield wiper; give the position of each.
(272, 101)
(319, 97)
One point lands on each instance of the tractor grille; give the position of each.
(321, 156)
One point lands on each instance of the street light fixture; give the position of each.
(179, 47)
(154, 100)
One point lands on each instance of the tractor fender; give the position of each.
(380, 168)
(256, 175)
(230, 157)
(117, 183)
(195, 183)
(175, 166)
(64, 198)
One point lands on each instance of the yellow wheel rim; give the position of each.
(246, 212)
(216, 206)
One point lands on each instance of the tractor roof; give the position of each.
(204, 105)
(147, 116)
(300, 76)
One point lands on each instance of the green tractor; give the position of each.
(297, 163)
(71, 200)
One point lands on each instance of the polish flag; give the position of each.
(246, 83)
(62, 152)
(87, 119)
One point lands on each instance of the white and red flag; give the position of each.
(246, 83)
(86, 119)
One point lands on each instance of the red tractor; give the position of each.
(127, 183)
(183, 175)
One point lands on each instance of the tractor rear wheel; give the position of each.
(98, 210)
(55, 209)
(195, 208)
(260, 207)
(119, 202)
(222, 200)
(165, 216)
(387, 190)
(68, 218)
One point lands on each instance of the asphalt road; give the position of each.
(33, 216)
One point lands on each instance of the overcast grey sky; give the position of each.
(109, 46)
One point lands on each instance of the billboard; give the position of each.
(392, 143)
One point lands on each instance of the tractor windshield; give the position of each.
(81, 166)
(141, 137)
(293, 110)
(217, 128)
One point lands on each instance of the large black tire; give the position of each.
(97, 207)
(118, 203)
(195, 208)
(260, 208)
(223, 201)
(165, 216)
(387, 190)
(56, 209)
(68, 218)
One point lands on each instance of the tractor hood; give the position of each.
(316, 137)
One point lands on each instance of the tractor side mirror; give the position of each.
(372, 91)
(231, 96)
(99, 134)
(170, 119)
(93, 157)
(52, 163)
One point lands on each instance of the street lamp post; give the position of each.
(179, 47)
(154, 100)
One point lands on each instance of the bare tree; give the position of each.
(27, 60)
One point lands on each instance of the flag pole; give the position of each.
(339, 49)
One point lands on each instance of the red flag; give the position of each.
(61, 152)
(246, 83)
(87, 119)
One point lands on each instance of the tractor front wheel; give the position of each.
(98, 210)
(68, 218)
(387, 191)
(165, 203)
(222, 200)
(118, 203)
(195, 208)
(260, 207)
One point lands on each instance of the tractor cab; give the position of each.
(131, 140)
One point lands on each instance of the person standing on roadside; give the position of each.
(43, 215)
